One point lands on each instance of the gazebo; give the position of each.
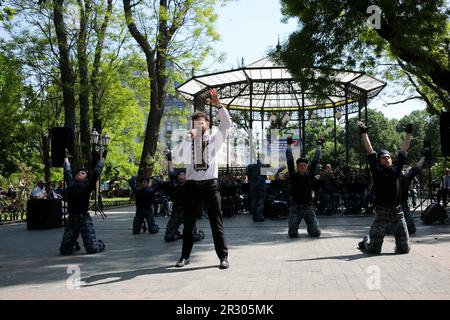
(264, 88)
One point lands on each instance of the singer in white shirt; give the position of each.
(199, 151)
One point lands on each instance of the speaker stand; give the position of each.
(97, 206)
(429, 197)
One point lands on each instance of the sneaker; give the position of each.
(224, 264)
(362, 244)
(182, 262)
(101, 245)
(403, 251)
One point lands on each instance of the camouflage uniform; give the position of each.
(79, 221)
(258, 190)
(297, 213)
(406, 181)
(327, 201)
(176, 216)
(144, 206)
(387, 216)
(301, 197)
(392, 218)
(353, 197)
(74, 226)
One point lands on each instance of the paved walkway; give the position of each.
(265, 263)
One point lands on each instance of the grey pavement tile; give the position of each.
(265, 263)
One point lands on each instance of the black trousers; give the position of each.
(206, 191)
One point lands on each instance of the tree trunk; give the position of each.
(96, 103)
(412, 55)
(85, 12)
(149, 147)
(46, 156)
(158, 77)
(65, 66)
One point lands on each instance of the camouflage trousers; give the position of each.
(258, 198)
(74, 226)
(297, 213)
(388, 218)
(409, 219)
(174, 223)
(353, 202)
(147, 215)
(328, 201)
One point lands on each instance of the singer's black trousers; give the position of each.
(206, 191)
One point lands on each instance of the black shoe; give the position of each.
(101, 245)
(362, 245)
(154, 229)
(403, 251)
(182, 262)
(224, 264)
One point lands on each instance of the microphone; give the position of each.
(190, 136)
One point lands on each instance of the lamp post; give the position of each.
(100, 143)
(337, 116)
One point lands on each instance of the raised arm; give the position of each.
(363, 129)
(222, 115)
(315, 160)
(182, 152)
(96, 175)
(406, 142)
(68, 172)
(290, 157)
(133, 183)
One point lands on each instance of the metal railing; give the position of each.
(10, 211)
(116, 203)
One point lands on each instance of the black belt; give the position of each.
(202, 182)
(302, 205)
(393, 208)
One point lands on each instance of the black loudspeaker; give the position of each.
(445, 133)
(44, 214)
(62, 138)
(434, 212)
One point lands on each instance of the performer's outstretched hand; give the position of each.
(168, 155)
(408, 128)
(426, 152)
(320, 141)
(68, 155)
(362, 127)
(289, 139)
(214, 97)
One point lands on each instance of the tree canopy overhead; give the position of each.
(335, 34)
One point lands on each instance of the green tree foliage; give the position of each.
(123, 119)
(6, 12)
(12, 137)
(177, 32)
(334, 34)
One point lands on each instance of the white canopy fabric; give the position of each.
(266, 86)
